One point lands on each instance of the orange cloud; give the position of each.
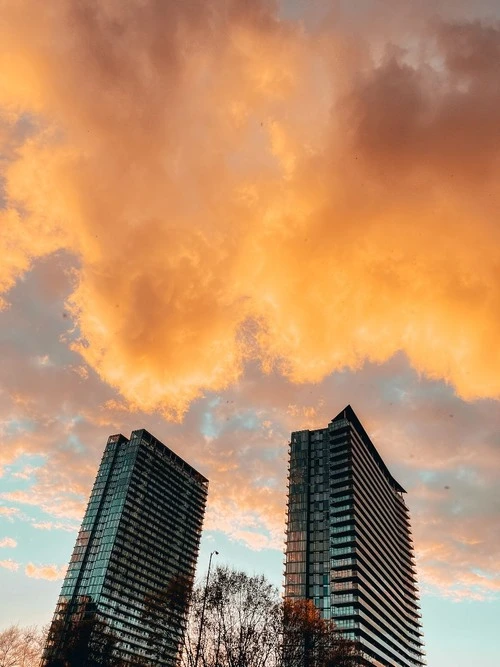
(416, 425)
(9, 564)
(52, 503)
(9, 512)
(254, 540)
(48, 572)
(8, 542)
(236, 188)
(51, 525)
(239, 190)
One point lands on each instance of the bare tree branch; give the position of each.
(246, 624)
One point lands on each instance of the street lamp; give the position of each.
(198, 646)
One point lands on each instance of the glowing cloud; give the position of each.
(55, 525)
(237, 188)
(8, 542)
(9, 565)
(9, 512)
(48, 572)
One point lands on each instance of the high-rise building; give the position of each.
(349, 546)
(135, 555)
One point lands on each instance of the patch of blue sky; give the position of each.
(394, 388)
(249, 421)
(49, 546)
(15, 426)
(72, 420)
(11, 482)
(468, 637)
(237, 555)
(20, 474)
(214, 402)
(31, 601)
(428, 476)
(266, 482)
(469, 475)
(209, 428)
(273, 453)
(400, 388)
(392, 392)
(39, 323)
(39, 545)
(74, 444)
(482, 573)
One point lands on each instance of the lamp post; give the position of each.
(202, 617)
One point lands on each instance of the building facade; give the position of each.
(135, 555)
(349, 546)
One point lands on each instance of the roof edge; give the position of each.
(349, 414)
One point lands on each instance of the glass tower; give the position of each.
(349, 546)
(137, 545)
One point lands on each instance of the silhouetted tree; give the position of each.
(165, 615)
(311, 641)
(241, 622)
(246, 624)
(21, 647)
(81, 641)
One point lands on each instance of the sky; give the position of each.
(224, 220)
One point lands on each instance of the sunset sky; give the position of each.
(223, 220)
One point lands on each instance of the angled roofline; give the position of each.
(349, 414)
(175, 457)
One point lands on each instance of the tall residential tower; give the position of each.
(135, 555)
(349, 546)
